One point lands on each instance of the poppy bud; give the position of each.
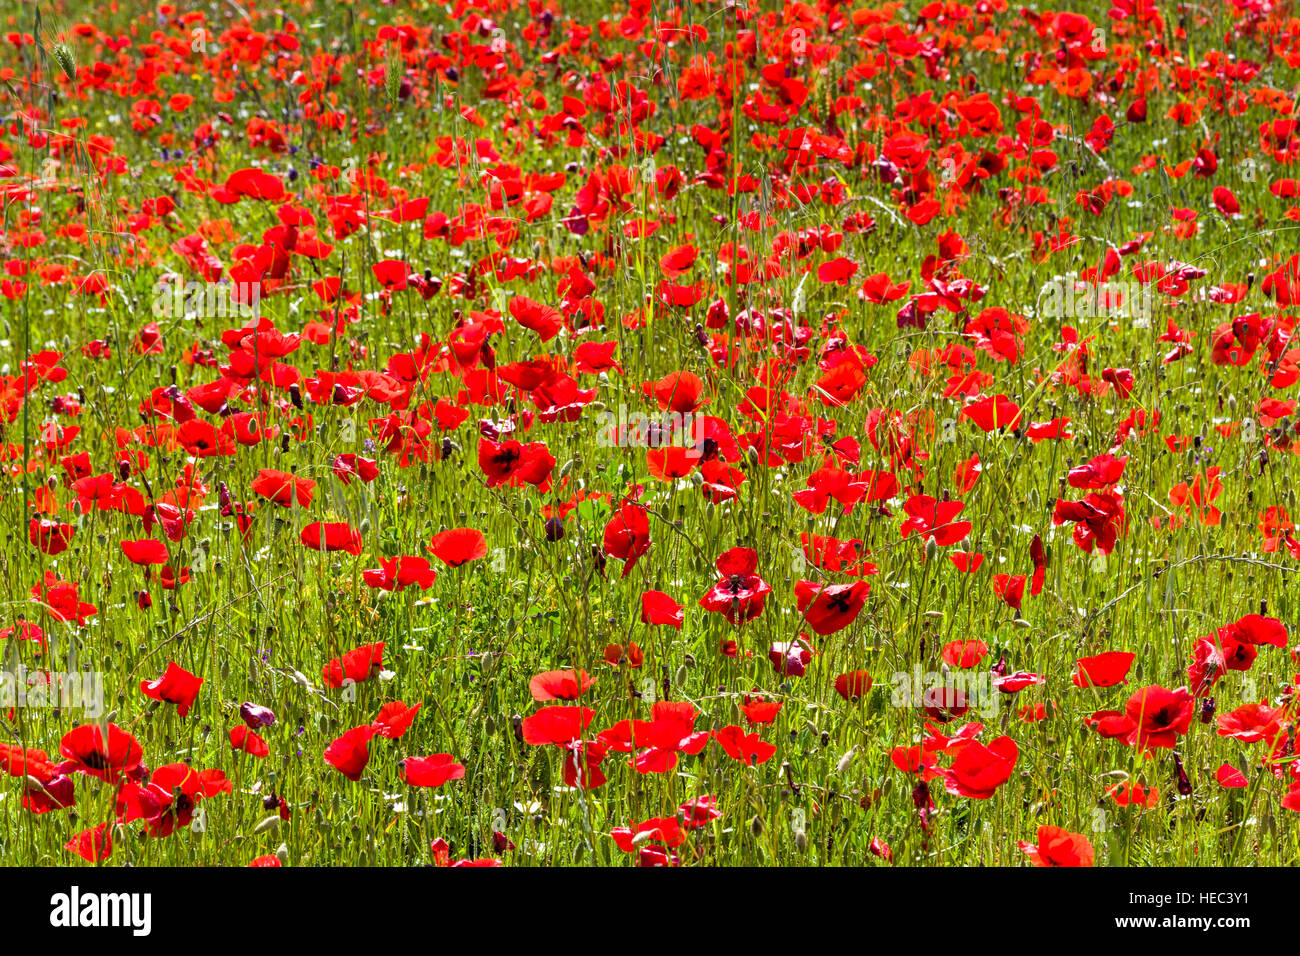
(756, 826)
(1184, 784)
(554, 530)
(256, 715)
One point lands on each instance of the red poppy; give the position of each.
(935, 519)
(1159, 716)
(283, 488)
(978, 771)
(332, 536)
(93, 845)
(248, 741)
(749, 749)
(1058, 847)
(659, 608)
(458, 546)
(394, 719)
(89, 752)
(828, 608)
(627, 535)
(853, 685)
(1104, 670)
(146, 551)
(355, 666)
(350, 753)
(432, 771)
(559, 685)
(177, 686)
(739, 592)
(556, 725)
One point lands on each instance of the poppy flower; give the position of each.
(759, 711)
(677, 392)
(1010, 588)
(177, 686)
(394, 719)
(831, 607)
(145, 551)
(749, 749)
(432, 771)
(89, 751)
(93, 845)
(739, 592)
(397, 574)
(50, 537)
(332, 536)
(349, 753)
(256, 716)
(556, 725)
(978, 771)
(1058, 847)
(627, 534)
(965, 654)
(559, 685)
(1230, 778)
(854, 685)
(355, 666)
(935, 520)
(1159, 715)
(659, 608)
(1103, 670)
(283, 488)
(515, 463)
(658, 741)
(248, 741)
(699, 812)
(458, 546)
(995, 413)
